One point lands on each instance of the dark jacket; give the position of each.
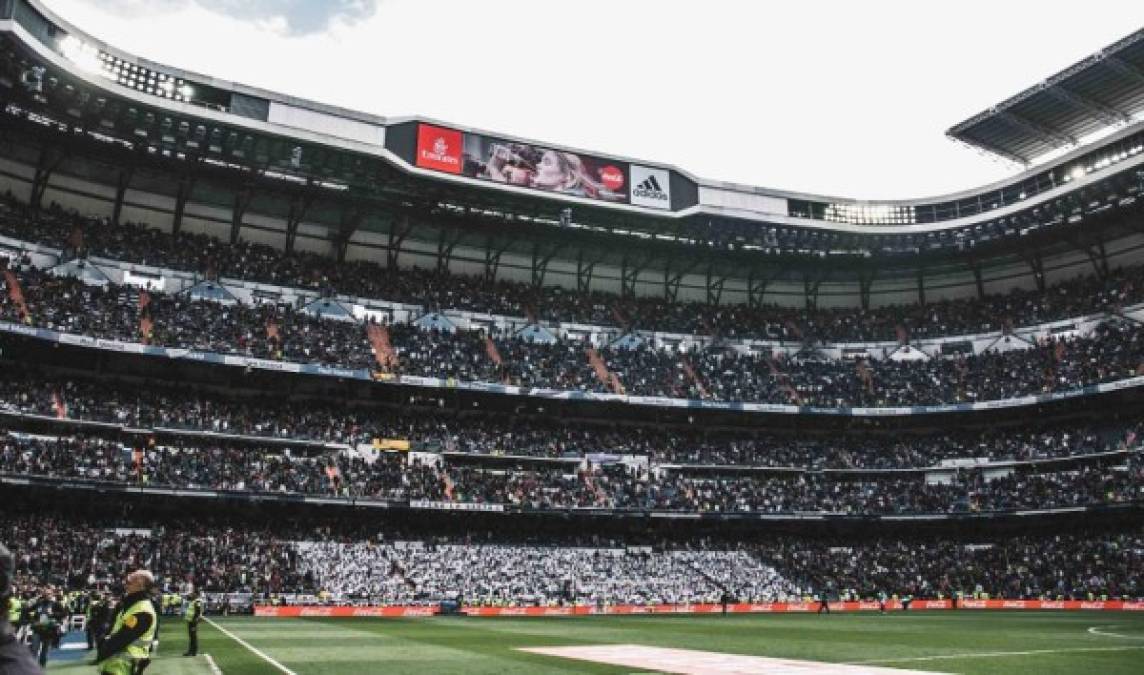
(15, 658)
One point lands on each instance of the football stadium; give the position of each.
(286, 387)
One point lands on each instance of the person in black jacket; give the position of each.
(96, 624)
(48, 617)
(15, 659)
(126, 650)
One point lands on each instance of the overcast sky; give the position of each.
(840, 98)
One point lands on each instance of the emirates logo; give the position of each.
(439, 153)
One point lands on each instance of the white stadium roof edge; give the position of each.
(347, 130)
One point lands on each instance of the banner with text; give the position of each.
(705, 608)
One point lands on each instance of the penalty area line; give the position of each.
(982, 655)
(257, 652)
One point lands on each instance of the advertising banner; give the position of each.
(704, 608)
(439, 149)
(540, 168)
(651, 187)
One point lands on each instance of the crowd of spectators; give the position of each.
(74, 553)
(1064, 566)
(1114, 350)
(529, 485)
(332, 564)
(126, 313)
(162, 408)
(499, 574)
(434, 290)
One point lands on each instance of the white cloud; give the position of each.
(838, 98)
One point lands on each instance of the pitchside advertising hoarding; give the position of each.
(540, 168)
(704, 608)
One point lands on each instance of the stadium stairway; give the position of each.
(15, 292)
(865, 376)
(492, 351)
(274, 337)
(795, 329)
(59, 405)
(382, 347)
(146, 325)
(606, 377)
(620, 318)
(692, 375)
(784, 382)
(495, 356)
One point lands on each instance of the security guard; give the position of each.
(127, 649)
(15, 659)
(15, 610)
(192, 614)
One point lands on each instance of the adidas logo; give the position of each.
(650, 189)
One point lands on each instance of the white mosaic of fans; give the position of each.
(402, 573)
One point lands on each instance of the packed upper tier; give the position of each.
(1111, 351)
(168, 409)
(600, 482)
(431, 290)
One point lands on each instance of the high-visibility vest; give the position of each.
(190, 609)
(140, 648)
(15, 607)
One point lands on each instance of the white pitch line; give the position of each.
(1095, 630)
(215, 670)
(979, 655)
(252, 648)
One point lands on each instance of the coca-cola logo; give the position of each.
(612, 178)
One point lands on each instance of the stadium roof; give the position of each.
(1103, 91)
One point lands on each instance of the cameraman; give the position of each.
(15, 659)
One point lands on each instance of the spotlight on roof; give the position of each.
(33, 79)
(82, 54)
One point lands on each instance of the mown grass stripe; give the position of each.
(254, 650)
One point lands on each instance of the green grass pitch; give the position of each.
(962, 642)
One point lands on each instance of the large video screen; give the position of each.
(545, 169)
(521, 164)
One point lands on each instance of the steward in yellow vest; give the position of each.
(192, 614)
(127, 648)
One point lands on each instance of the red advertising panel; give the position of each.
(439, 149)
(738, 608)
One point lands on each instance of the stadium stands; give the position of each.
(396, 568)
(152, 408)
(463, 437)
(1113, 351)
